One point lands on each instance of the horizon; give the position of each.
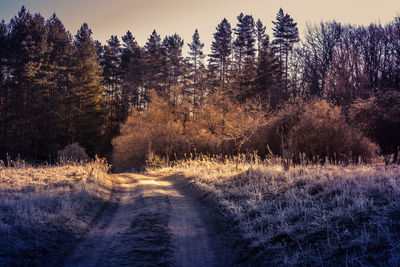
(184, 17)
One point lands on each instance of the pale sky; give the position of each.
(106, 17)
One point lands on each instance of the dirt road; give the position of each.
(154, 220)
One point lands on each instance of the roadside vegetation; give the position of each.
(42, 208)
(312, 131)
(308, 215)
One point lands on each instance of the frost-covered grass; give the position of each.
(43, 207)
(308, 215)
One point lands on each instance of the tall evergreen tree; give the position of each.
(174, 68)
(286, 35)
(112, 67)
(244, 54)
(3, 88)
(260, 33)
(132, 71)
(27, 67)
(112, 80)
(59, 70)
(154, 62)
(238, 47)
(196, 68)
(266, 83)
(100, 51)
(86, 116)
(221, 50)
(3, 54)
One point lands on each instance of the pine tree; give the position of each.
(174, 68)
(111, 67)
(59, 70)
(3, 88)
(154, 61)
(244, 54)
(196, 68)
(260, 33)
(239, 45)
(13, 109)
(286, 35)
(132, 71)
(86, 119)
(221, 50)
(3, 54)
(112, 80)
(266, 84)
(28, 49)
(99, 52)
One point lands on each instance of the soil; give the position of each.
(157, 220)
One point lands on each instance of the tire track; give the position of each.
(149, 222)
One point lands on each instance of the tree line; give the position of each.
(57, 89)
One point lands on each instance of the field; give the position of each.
(308, 215)
(42, 208)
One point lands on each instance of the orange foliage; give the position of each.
(171, 132)
(315, 130)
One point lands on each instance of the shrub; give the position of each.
(72, 152)
(153, 131)
(379, 118)
(168, 132)
(315, 130)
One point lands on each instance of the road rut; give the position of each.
(152, 220)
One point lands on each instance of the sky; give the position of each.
(107, 17)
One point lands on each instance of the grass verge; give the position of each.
(42, 208)
(308, 215)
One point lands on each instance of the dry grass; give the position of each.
(308, 215)
(42, 207)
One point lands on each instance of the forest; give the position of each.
(278, 150)
(332, 95)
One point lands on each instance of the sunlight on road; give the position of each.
(154, 182)
(151, 185)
